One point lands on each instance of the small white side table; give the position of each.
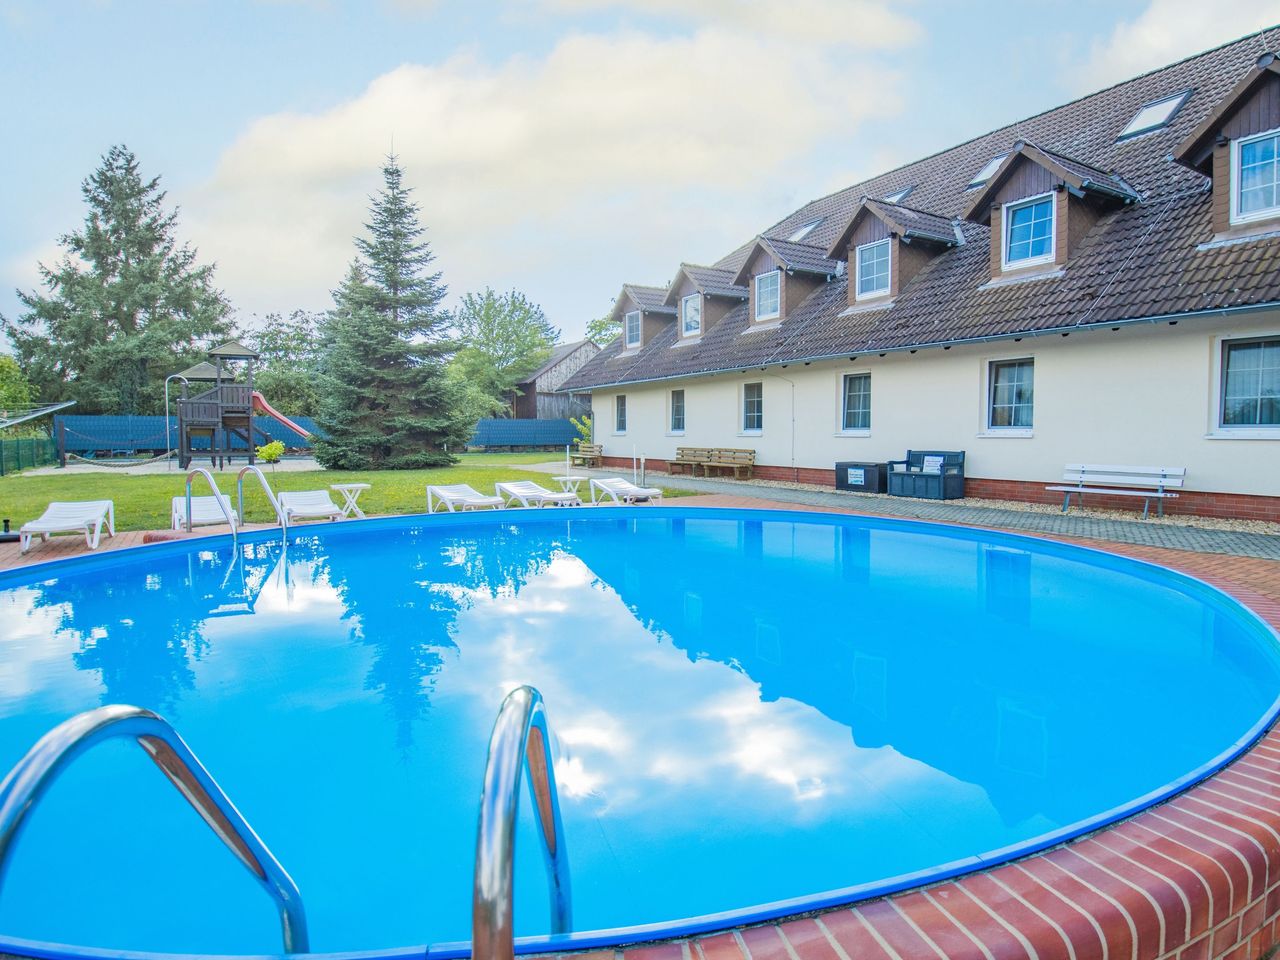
(350, 494)
(570, 484)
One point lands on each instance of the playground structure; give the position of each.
(223, 413)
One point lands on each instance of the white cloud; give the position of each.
(611, 158)
(1167, 30)
(863, 24)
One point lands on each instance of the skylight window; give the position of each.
(804, 231)
(985, 174)
(1154, 115)
(900, 195)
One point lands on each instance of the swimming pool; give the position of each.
(755, 713)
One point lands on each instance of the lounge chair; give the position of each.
(459, 496)
(623, 491)
(74, 516)
(529, 494)
(204, 511)
(307, 505)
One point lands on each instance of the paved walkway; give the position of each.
(1168, 535)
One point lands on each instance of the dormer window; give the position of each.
(768, 295)
(985, 174)
(1028, 237)
(873, 269)
(1255, 177)
(691, 315)
(631, 322)
(804, 231)
(1154, 115)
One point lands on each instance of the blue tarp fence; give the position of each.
(524, 433)
(86, 434)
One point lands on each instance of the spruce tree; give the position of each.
(126, 305)
(385, 400)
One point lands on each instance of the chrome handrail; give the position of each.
(522, 719)
(217, 496)
(271, 497)
(36, 772)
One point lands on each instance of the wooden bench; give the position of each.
(588, 455)
(1119, 481)
(713, 458)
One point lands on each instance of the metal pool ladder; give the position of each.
(217, 496)
(271, 497)
(521, 723)
(36, 772)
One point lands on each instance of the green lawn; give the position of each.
(142, 502)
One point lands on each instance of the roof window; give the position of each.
(805, 230)
(900, 195)
(985, 174)
(1154, 115)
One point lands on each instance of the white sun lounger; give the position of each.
(529, 494)
(74, 516)
(623, 491)
(459, 496)
(307, 505)
(204, 511)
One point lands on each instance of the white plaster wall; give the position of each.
(1142, 395)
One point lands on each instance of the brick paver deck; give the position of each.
(1193, 878)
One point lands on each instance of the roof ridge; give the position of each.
(1035, 116)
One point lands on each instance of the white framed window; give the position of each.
(752, 407)
(855, 407)
(769, 295)
(1154, 115)
(1255, 177)
(1011, 394)
(631, 326)
(620, 413)
(802, 232)
(986, 173)
(691, 315)
(677, 411)
(1249, 387)
(872, 268)
(1028, 231)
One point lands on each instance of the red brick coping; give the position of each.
(1232, 506)
(1194, 878)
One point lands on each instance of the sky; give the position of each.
(556, 147)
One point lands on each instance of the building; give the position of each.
(1096, 284)
(537, 398)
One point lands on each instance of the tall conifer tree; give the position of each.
(385, 401)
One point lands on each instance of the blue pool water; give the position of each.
(748, 708)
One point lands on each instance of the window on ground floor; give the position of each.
(677, 411)
(620, 413)
(752, 407)
(1011, 394)
(857, 402)
(1251, 383)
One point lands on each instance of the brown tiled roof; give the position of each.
(648, 299)
(713, 281)
(793, 256)
(1081, 176)
(1193, 151)
(1147, 260)
(909, 222)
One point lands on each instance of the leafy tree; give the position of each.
(385, 401)
(287, 362)
(503, 338)
(603, 330)
(16, 391)
(126, 305)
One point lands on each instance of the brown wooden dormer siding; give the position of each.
(713, 308)
(763, 262)
(905, 259)
(651, 324)
(1259, 112)
(1073, 217)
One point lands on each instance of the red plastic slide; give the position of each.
(261, 406)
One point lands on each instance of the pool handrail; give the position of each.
(271, 497)
(217, 496)
(32, 776)
(522, 720)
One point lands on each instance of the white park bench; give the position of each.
(1154, 483)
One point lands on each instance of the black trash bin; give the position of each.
(861, 477)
